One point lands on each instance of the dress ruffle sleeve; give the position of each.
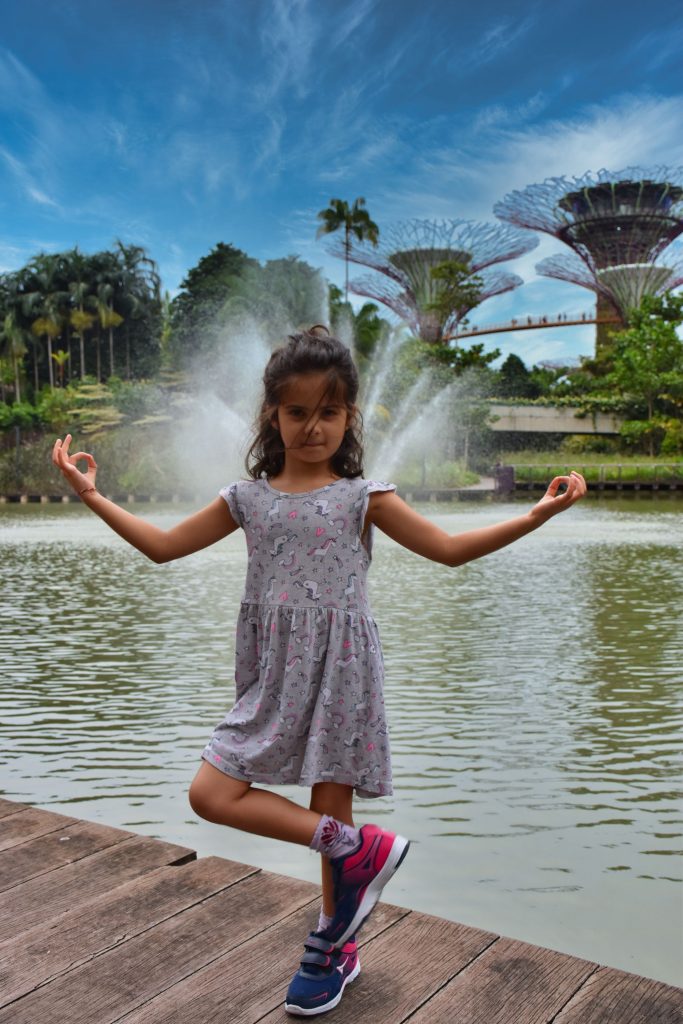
(372, 487)
(229, 495)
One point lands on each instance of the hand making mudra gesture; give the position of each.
(67, 464)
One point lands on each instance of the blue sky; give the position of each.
(176, 125)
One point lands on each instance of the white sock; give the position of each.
(324, 921)
(334, 839)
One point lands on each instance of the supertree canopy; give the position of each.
(617, 222)
(408, 253)
(621, 286)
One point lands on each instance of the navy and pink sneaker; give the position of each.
(359, 878)
(325, 971)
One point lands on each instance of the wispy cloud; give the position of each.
(26, 181)
(288, 36)
(498, 38)
(660, 47)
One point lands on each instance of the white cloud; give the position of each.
(467, 177)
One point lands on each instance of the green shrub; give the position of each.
(20, 414)
(582, 444)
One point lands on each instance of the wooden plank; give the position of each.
(245, 984)
(46, 896)
(617, 997)
(51, 851)
(10, 806)
(29, 824)
(49, 950)
(406, 965)
(123, 978)
(510, 981)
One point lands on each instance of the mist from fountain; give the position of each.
(211, 436)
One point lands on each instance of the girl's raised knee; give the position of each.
(197, 799)
(212, 795)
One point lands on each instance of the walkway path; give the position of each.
(531, 323)
(99, 925)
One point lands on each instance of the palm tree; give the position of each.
(108, 317)
(13, 337)
(45, 325)
(355, 220)
(140, 283)
(79, 289)
(47, 299)
(13, 333)
(61, 358)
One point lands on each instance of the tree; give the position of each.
(79, 289)
(515, 381)
(138, 297)
(647, 368)
(13, 338)
(108, 317)
(459, 290)
(355, 220)
(48, 299)
(368, 327)
(61, 358)
(203, 293)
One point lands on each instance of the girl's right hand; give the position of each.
(66, 464)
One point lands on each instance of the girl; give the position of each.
(309, 706)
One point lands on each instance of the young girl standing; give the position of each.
(309, 673)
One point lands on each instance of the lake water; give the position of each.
(534, 701)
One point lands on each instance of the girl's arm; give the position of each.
(400, 522)
(205, 527)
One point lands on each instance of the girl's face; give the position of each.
(311, 423)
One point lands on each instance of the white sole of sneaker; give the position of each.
(301, 1011)
(399, 849)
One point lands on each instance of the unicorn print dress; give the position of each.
(309, 668)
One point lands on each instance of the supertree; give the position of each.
(408, 253)
(618, 223)
(621, 287)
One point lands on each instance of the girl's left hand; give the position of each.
(551, 503)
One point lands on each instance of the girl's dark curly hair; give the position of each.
(312, 351)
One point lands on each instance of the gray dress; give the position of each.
(309, 669)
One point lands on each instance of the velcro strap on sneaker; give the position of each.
(316, 942)
(319, 959)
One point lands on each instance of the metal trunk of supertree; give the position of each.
(409, 251)
(619, 224)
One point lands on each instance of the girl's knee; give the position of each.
(213, 794)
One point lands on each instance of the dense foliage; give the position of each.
(68, 315)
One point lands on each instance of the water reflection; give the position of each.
(534, 700)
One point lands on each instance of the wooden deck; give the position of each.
(99, 925)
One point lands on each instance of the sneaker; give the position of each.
(325, 970)
(359, 878)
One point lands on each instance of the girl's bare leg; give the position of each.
(220, 798)
(336, 800)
